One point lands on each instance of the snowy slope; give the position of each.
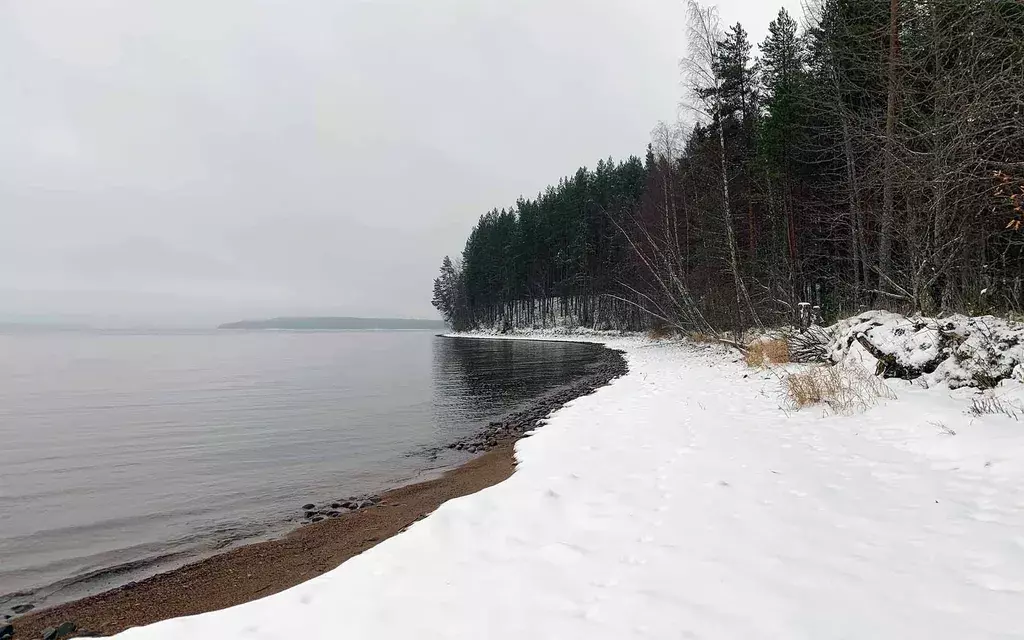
(681, 502)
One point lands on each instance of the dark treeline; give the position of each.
(556, 258)
(873, 157)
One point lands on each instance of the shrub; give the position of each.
(765, 352)
(843, 388)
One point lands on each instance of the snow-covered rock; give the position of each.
(958, 351)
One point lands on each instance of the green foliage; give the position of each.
(785, 84)
(450, 296)
(738, 76)
(562, 244)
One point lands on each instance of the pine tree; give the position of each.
(784, 82)
(449, 296)
(738, 73)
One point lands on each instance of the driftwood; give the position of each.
(735, 345)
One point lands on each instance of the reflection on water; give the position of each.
(122, 454)
(474, 378)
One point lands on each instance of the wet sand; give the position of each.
(264, 568)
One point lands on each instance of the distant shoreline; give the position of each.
(313, 323)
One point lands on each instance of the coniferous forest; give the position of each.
(870, 155)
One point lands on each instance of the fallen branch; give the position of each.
(735, 345)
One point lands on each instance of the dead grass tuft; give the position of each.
(765, 352)
(661, 332)
(843, 388)
(989, 404)
(702, 338)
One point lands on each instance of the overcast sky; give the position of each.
(235, 158)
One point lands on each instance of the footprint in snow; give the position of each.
(997, 583)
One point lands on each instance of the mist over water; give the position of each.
(125, 453)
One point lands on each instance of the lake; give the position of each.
(124, 454)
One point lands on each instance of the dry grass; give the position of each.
(662, 332)
(703, 338)
(766, 352)
(844, 389)
(989, 405)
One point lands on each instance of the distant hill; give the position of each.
(338, 324)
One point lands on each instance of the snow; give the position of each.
(681, 501)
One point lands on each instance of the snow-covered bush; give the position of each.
(959, 351)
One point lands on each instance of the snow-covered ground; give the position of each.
(681, 501)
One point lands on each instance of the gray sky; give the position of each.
(202, 160)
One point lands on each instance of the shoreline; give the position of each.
(259, 569)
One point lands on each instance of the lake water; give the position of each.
(122, 454)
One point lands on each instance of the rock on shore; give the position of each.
(312, 512)
(517, 424)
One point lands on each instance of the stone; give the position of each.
(317, 518)
(22, 608)
(335, 505)
(50, 633)
(333, 514)
(307, 507)
(348, 504)
(6, 631)
(310, 514)
(66, 629)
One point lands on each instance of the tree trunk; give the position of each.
(888, 186)
(857, 236)
(734, 262)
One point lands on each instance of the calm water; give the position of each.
(123, 454)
